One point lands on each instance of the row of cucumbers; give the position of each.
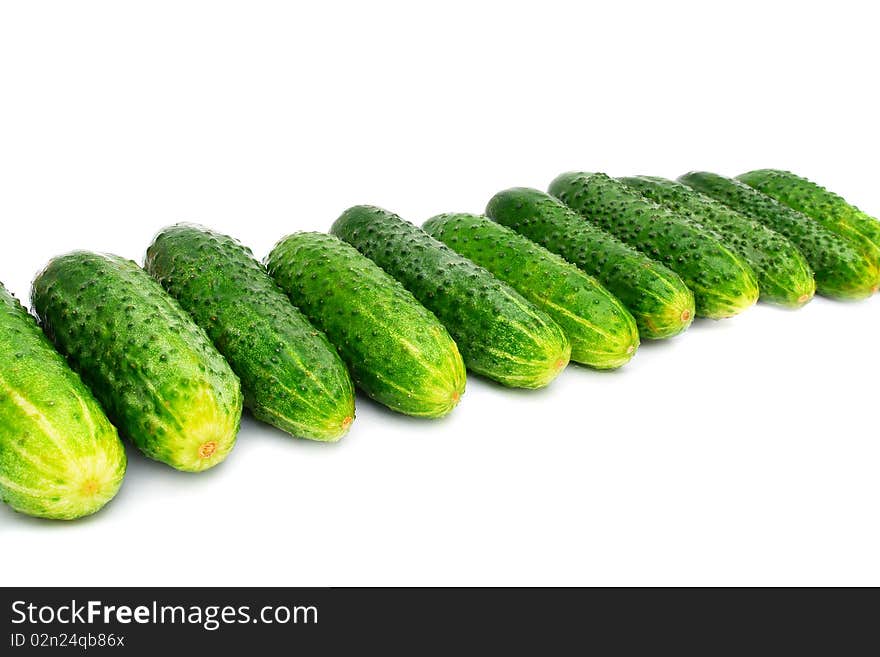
(169, 354)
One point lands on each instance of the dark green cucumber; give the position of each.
(826, 207)
(291, 376)
(659, 300)
(156, 373)
(397, 351)
(842, 271)
(723, 283)
(784, 277)
(500, 334)
(59, 455)
(601, 331)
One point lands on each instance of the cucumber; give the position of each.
(842, 271)
(291, 376)
(162, 382)
(500, 334)
(601, 331)
(784, 277)
(397, 351)
(723, 284)
(829, 209)
(656, 296)
(60, 457)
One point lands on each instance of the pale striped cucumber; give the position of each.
(59, 455)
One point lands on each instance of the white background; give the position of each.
(744, 452)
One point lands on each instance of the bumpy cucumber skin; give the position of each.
(396, 350)
(661, 303)
(162, 382)
(601, 331)
(723, 284)
(826, 207)
(60, 457)
(291, 375)
(842, 271)
(500, 334)
(784, 276)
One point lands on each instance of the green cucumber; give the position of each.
(784, 276)
(397, 351)
(500, 334)
(291, 376)
(162, 382)
(723, 283)
(659, 300)
(826, 207)
(60, 457)
(601, 331)
(842, 271)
